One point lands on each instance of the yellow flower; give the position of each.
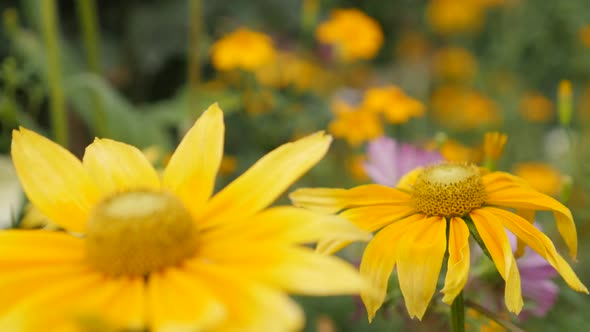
(536, 108)
(289, 69)
(228, 165)
(242, 49)
(356, 167)
(493, 145)
(455, 63)
(454, 151)
(354, 125)
(584, 35)
(414, 219)
(413, 46)
(463, 109)
(396, 106)
(455, 16)
(540, 176)
(159, 253)
(354, 34)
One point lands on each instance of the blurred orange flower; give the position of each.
(355, 165)
(536, 108)
(242, 49)
(354, 34)
(356, 125)
(584, 35)
(396, 106)
(455, 16)
(412, 46)
(454, 63)
(542, 177)
(463, 109)
(228, 165)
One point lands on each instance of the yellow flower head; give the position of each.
(396, 106)
(413, 46)
(143, 252)
(290, 69)
(536, 108)
(354, 34)
(355, 125)
(412, 221)
(584, 34)
(455, 63)
(455, 151)
(242, 49)
(463, 109)
(542, 177)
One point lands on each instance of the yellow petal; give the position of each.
(379, 259)
(250, 306)
(496, 241)
(179, 301)
(327, 200)
(284, 224)
(300, 271)
(53, 179)
(193, 167)
(538, 241)
(529, 215)
(266, 180)
(419, 257)
(522, 197)
(54, 305)
(23, 248)
(458, 263)
(119, 167)
(407, 181)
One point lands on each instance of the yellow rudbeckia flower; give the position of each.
(414, 219)
(148, 252)
(242, 49)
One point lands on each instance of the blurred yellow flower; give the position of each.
(164, 253)
(258, 102)
(493, 145)
(242, 49)
(542, 177)
(454, 151)
(584, 34)
(463, 109)
(454, 63)
(412, 46)
(455, 16)
(356, 125)
(290, 69)
(228, 165)
(355, 165)
(354, 34)
(536, 108)
(396, 106)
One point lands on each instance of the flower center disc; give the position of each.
(449, 190)
(135, 233)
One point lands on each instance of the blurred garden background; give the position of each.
(435, 74)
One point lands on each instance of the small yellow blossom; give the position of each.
(354, 34)
(412, 46)
(542, 177)
(536, 108)
(290, 69)
(584, 34)
(228, 166)
(455, 64)
(454, 151)
(455, 16)
(356, 125)
(356, 167)
(242, 49)
(258, 102)
(396, 106)
(493, 145)
(565, 105)
(463, 109)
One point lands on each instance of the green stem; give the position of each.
(458, 314)
(194, 54)
(87, 15)
(56, 94)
